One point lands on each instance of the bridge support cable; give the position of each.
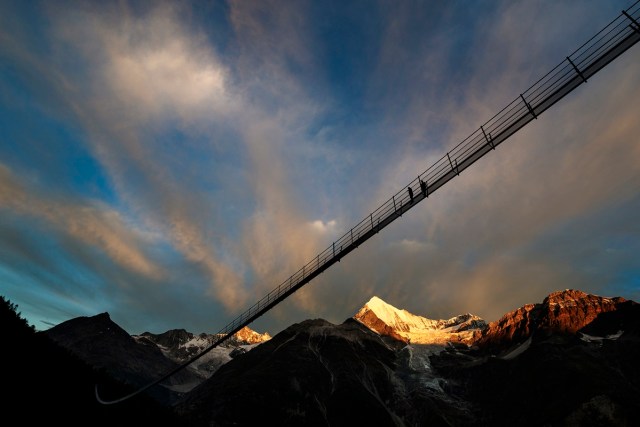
(612, 41)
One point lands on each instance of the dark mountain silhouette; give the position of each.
(101, 343)
(139, 360)
(45, 384)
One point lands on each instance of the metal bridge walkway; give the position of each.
(613, 40)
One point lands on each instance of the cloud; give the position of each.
(154, 80)
(276, 237)
(94, 225)
(276, 54)
(146, 61)
(147, 75)
(324, 227)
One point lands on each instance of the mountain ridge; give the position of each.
(561, 312)
(180, 345)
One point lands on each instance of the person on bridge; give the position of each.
(423, 187)
(410, 193)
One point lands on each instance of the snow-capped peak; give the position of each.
(250, 336)
(399, 319)
(386, 319)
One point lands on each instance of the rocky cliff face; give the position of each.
(571, 310)
(563, 312)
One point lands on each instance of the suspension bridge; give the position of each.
(609, 43)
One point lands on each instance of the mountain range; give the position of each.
(570, 360)
(140, 359)
(178, 345)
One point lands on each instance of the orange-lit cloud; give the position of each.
(94, 225)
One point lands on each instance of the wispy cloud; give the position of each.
(95, 225)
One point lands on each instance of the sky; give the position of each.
(172, 162)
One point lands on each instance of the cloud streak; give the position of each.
(93, 225)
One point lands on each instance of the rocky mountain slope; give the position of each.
(563, 312)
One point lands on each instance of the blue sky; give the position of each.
(172, 163)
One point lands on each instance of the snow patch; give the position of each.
(591, 338)
(614, 336)
(518, 350)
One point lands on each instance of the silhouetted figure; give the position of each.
(410, 193)
(423, 187)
